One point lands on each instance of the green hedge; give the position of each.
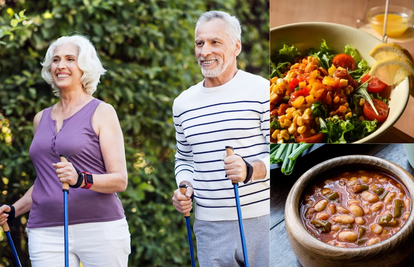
(147, 47)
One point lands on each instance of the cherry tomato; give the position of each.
(374, 85)
(312, 139)
(345, 61)
(380, 106)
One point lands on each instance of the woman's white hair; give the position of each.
(233, 25)
(88, 61)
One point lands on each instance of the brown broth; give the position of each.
(345, 221)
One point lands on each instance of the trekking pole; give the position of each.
(230, 151)
(183, 189)
(6, 229)
(65, 189)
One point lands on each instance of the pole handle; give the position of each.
(230, 152)
(65, 186)
(183, 189)
(6, 227)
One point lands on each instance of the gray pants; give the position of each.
(219, 242)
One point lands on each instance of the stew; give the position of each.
(355, 208)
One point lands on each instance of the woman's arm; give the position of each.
(106, 124)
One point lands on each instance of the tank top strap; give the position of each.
(89, 109)
(45, 120)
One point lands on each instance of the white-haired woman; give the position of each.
(86, 131)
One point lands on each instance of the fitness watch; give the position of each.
(88, 178)
(249, 172)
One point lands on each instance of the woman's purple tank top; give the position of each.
(78, 141)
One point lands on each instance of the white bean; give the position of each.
(321, 205)
(356, 210)
(348, 236)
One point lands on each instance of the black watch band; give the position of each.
(80, 178)
(12, 213)
(249, 172)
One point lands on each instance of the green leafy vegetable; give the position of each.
(353, 52)
(325, 55)
(342, 131)
(288, 53)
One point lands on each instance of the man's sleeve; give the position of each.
(184, 168)
(265, 126)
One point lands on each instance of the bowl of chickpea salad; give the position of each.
(354, 210)
(321, 90)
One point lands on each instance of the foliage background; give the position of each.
(147, 47)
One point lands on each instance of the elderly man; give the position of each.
(229, 107)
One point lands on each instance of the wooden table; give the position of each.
(347, 12)
(281, 253)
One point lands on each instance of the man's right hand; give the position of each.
(3, 215)
(183, 203)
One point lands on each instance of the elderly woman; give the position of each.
(87, 131)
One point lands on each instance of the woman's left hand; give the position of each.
(66, 172)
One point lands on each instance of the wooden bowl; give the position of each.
(394, 251)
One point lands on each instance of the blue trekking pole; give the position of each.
(6, 229)
(65, 189)
(188, 224)
(230, 151)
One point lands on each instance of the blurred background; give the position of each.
(147, 47)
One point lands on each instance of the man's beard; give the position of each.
(216, 71)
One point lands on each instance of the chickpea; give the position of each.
(344, 219)
(401, 195)
(370, 197)
(321, 205)
(332, 208)
(360, 220)
(373, 241)
(342, 210)
(377, 206)
(376, 228)
(388, 207)
(322, 216)
(356, 210)
(348, 236)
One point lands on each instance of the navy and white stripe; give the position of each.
(206, 121)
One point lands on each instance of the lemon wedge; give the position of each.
(392, 70)
(384, 51)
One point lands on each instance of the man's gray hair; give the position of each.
(233, 25)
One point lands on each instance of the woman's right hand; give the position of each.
(66, 172)
(3, 215)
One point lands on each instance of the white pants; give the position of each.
(103, 244)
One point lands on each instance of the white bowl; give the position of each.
(310, 34)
